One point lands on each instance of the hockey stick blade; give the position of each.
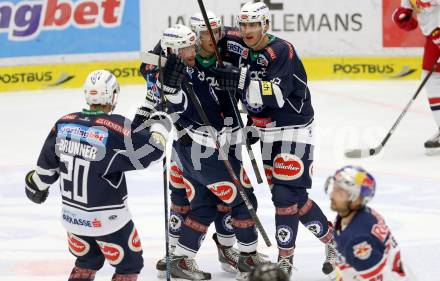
(361, 153)
(150, 58)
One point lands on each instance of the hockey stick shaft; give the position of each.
(165, 188)
(227, 164)
(358, 153)
(231, 96)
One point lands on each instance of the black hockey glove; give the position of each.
(32, 192)
(173, 74)
(232, 78)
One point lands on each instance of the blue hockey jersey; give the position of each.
(89, 152)
(215, 103)
(367, 250)
(278, 98)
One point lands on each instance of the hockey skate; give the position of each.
(246, 263)
(227, 256)
(286, 264)
(432, 146)
(184, 268)
(328, 267)
(161, 265)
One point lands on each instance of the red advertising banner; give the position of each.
(392, 36)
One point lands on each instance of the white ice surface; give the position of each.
(349, 114)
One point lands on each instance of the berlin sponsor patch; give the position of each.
(284, 235)
(224, 190)
(134, 242)
(315, 227)
(113, 253)
(362, 250)
(77, 246)
(189, 188)
(244, 179)
(287, 167)
(176, 176)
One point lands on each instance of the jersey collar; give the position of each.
(93, 112)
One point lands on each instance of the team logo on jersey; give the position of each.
(287, 166)
(224, 190)
(315, 227)
(134, 242)
(189, 188)
(261, 60)
(113, 253)
(268, 170)
(227, 223)
(176, 176)
(244, 179)
(175, 221)
(284, 235)
(362, 250)
(77, 246)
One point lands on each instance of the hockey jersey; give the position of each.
(428, 13)
(366, 249)
(89, 152)
(278, 75)
(215, 103)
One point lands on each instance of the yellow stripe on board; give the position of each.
(39, 77)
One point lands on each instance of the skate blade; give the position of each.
(432, 151)
(228, 268)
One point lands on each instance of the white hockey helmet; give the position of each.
(101, 87)
(176, 37)
(197, 22)
(254, 12)
(356, 181)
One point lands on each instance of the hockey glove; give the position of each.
(173, 74)
(404, 20)
(435, 36)
(232, 78)
(161, 126)
(32, 192)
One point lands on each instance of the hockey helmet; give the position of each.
(356, 181)
(177, 37)
(197, 22)
(254, 12)
(101, 87)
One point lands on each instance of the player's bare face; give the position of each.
(188, 55)
(251, 32)
(206, 43)
(338, 199)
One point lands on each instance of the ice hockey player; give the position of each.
(224, 236)
(427, 12)
(89, 152)
(366, 248)
(279, 104)
(205, 178)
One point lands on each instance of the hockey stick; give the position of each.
(228, 165)
(366, 152)
(231, 96)
(165, 186)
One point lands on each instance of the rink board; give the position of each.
(72, 75)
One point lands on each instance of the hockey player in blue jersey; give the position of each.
(224, 236)
(279, 105)
(89, 152)
(366, 248)
(205, 178)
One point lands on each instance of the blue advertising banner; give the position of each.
(58, 27)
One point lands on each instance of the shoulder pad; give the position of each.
(280, 49)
